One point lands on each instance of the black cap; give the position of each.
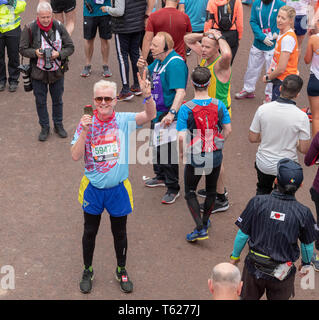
(289, 173)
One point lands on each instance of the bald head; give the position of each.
(226, 273)
(225, 281)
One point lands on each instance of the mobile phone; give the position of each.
(88, 109)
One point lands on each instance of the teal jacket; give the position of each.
(255, 24)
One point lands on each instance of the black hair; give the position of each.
(288, 189)
(291, 86)
(201, 78)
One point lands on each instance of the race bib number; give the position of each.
(105, 152)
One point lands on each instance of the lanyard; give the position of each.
(270, 13)
(162, 68)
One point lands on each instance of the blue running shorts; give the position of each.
(118, 200)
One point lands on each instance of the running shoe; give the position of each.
(125, 96)
(267, 99)
(13, 86)
(197, 235)
(86, 71)
(208, 225)
(154, 182)
(308, 112)
(136, 90)
(170, 198)
(202, 193)
(245, 95)
(124, 280)
(315, 261)
(2, 86)
(87, 279)
(106, 72)
(220, 206)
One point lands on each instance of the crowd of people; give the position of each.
(156, 39)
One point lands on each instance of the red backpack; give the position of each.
(206, 136)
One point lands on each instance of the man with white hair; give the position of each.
(102, 138)
(225, 282)
(48, 45)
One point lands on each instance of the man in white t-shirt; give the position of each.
(281, 128)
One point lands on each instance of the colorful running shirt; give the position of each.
(107, 149)
(216, 88)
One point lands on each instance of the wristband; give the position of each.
(147, 98)
(172, 111)
(234, 258)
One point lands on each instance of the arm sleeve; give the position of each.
(255, 125)
(239, 243)
(306, 252)
(255, 24)
(118, 9)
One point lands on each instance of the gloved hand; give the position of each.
(268, 42)
(274, 35)
(3, 2)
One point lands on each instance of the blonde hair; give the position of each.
(291, 13)
(103, 84)
(167, 38)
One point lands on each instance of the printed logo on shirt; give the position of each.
(239, 219)
(85, 203)
(277, 216)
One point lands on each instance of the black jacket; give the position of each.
(31, 40)
(133, 19)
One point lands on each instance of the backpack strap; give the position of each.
(190, 104)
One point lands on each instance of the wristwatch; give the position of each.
(172, 111)
(267, 78)
(221, 37)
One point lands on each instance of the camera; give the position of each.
(89, 7)
(26, 73)
(47, 53)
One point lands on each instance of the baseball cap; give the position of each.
(289, 173)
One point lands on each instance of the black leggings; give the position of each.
(91, 227)
(191, 180)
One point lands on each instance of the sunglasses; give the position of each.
(106, 99)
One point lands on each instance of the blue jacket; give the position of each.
(255, 24)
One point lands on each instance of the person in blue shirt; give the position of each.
(203, 156)
(263, 22)
(102, 139)
(169, 77)
(95, 19)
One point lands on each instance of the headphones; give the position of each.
(165, 46)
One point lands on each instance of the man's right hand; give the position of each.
(39, 53)
(86, 121)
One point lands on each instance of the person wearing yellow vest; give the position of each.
(286, 55)
(215, 54)
(9, 38)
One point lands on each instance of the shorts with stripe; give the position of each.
(118, 200)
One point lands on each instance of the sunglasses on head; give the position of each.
(106, 99)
